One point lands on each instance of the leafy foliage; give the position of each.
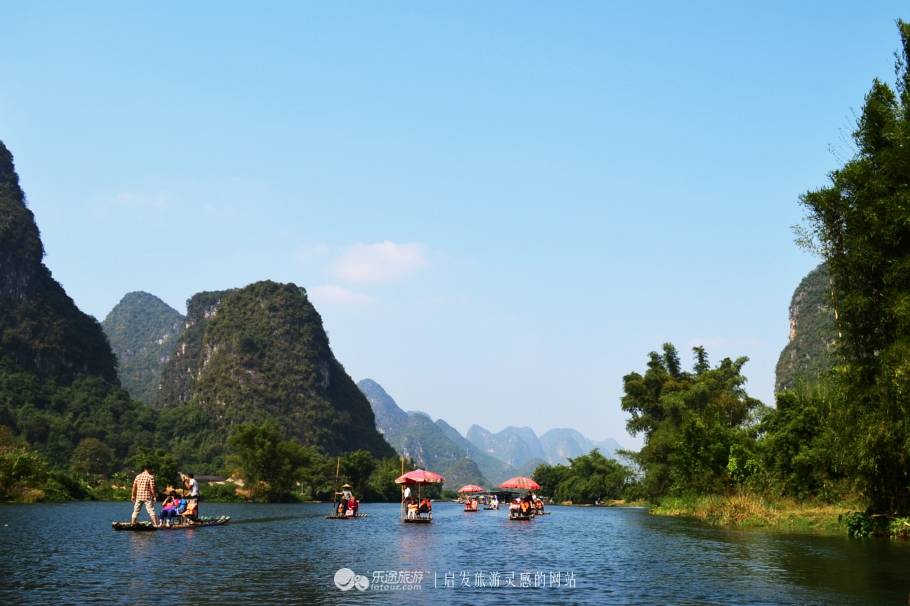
(278, 469)
(587, 479)
(691, 422)
(860, 223)
(269, 464)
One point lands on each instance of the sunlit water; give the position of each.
(68, 554)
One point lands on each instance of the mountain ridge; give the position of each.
(261, 353)
(143, 331)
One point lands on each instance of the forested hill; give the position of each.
(58, 375)
(41, 329)
(143, 332)
(808, 352)
(260, 353)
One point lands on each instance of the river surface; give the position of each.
(68, 554)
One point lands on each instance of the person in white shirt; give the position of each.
(193, 486)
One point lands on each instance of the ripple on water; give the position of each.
(288, 553)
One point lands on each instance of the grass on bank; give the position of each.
(756, 511)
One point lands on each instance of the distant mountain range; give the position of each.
(520, 447)
(496, 457)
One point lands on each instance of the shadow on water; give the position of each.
(857, 571)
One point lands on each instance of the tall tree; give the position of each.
(691, 422)
(860, 223)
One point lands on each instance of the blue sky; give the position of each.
(498, 209)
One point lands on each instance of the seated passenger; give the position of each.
(168, 509)
(525, 507)
(412, 509)
(192, 510)
(425, 506)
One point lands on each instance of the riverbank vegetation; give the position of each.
(836, 441)
(262, 466)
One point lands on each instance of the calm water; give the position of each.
(288, 553)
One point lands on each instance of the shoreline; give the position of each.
(745, 511)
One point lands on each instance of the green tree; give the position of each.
(163, 464)
(860, 224)
(268, 463)
(587, 479)
(357, 467)
(21, 471)
(802, 444)
(382, 486)
(690, 422)
(93, 457)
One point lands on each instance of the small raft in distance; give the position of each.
(344, 517)
(148, 526)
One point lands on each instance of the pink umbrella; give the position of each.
(521, 483)
(471, 488)
(420, 476)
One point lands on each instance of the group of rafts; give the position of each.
(520, 508)
(417, 509)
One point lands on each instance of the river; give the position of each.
(68, 554)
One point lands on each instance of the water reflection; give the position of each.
(289, 553)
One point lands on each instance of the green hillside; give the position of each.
(143, 332)
(809, 351)
(58, 375)
(260, 353)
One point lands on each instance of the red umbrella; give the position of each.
(420, 476)
(471, 488)
(521, 483)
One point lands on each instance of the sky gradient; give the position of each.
(498, 210)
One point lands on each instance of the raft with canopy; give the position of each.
(470, 505)
(418, 478)
(524, 512)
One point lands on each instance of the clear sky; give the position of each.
(498, 208)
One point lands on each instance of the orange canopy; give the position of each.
(521, 483)
(471, 488)
(420, 476)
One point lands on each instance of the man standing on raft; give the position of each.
(144, 492)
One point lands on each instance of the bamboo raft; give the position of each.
(149, 527)
(343, 517)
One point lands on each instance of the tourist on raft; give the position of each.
(171, 508)
(144, 493)
(525, 507)
(426, 507)
(412, 508)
